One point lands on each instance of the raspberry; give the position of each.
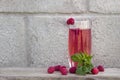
(64, 71)
(62, 67)
(57, 68)
(51, 70)
(100, 68)
(72, 70)
(95, 71)
(70, 21)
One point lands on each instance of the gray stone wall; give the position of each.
(33, 33)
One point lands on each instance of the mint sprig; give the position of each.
(84, 63)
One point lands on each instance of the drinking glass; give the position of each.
(79, 39)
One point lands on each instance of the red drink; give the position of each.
(86, 40)
(79, 41)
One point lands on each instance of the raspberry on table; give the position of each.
(64, 71)
(51, 70)
(57, 67)
(100, 68)
(62, 67)
(72, 70)
(95, 71)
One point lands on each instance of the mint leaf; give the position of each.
(80, 71)
(84, 63)
(76, 57)
(89, 68)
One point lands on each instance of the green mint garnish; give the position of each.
(84, 63)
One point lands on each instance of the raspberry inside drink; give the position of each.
(79, 41)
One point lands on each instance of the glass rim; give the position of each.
(81, 24)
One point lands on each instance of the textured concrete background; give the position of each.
(33, 33)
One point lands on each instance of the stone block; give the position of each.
(50, 6)
(12, 41)
(106, 40)
(105, 6)
(47, 41)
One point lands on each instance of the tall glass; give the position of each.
(79, 39)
